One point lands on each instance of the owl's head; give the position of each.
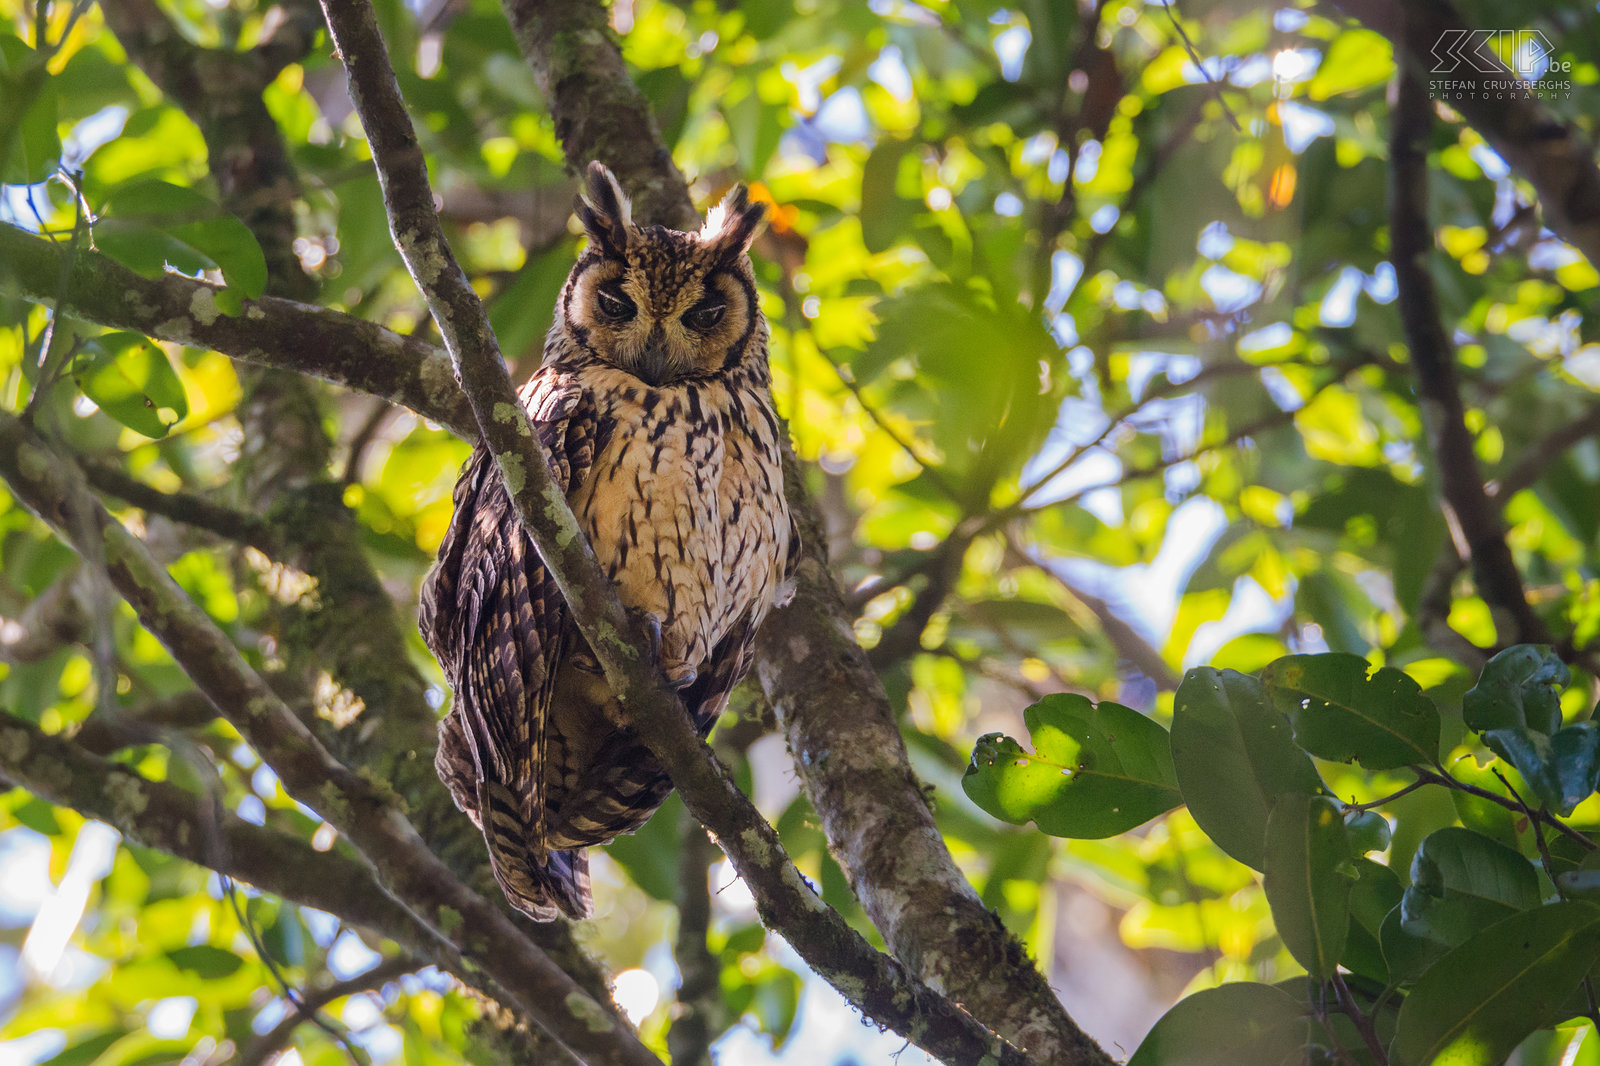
(659, 303)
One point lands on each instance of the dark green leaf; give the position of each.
(1369, 831)
(1462, 881)
(1227, 1026)
(206, 961)
(1308, 879)
(1234, 756)
(1477, 1003)
(82, 1052)
(650, 856)
(201, 231)
(1342, 710)
(885, 215)
(1375, 894)
(1563, 768)
(1521, 686)
(1097, 770)
(30, 146)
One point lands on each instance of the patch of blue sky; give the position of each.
(1088, 164)
(24, 875)
(1229, 290)
(1266, 338)
(889, 70)
(1011, 48)
(350, 956)
(827, 1031)
(1338, 307)
(1215, 241)
(1303, 124)
(1066, 270)
(1250, 610)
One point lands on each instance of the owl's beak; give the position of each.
(652, 366)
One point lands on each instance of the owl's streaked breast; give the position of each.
(682, 509)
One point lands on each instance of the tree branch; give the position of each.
(159, 815)
(274, 1040)
(699, 990)
(1476, 523)
(1531, 465)
(486, 946)
(1553, 155)
(306, 339)
(187, 508)
(876, 983)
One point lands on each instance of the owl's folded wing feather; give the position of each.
(494, 618)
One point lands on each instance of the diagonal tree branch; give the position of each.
(1475, 522)
(274, 1040)
(488, 947)
(877, 984)
(158, 815)
(815, 674)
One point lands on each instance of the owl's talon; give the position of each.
(583, 659)
(682, 679)
(651, 624)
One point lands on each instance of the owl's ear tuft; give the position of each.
(733, 224)
(605, 212)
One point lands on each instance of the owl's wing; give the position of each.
(494, 618)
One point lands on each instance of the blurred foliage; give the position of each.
(1096, 355)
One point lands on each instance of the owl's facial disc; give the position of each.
(661, 313)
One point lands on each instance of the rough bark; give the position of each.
(815, 674)
(486, 949)
(878, 985)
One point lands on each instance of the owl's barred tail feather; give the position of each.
(539, 888)
(544, 887)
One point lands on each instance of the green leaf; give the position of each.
(1308, 879)
(1563, 768)
(1237, 1023)
(1375, 894)
(30, 146)
(1234, 756)
(1097, 770)
(199, 235)
(1462, 881)
(1477, 1003)
(1369, 831)
(651, 855)
(885, 215)
(83, 1052)
(1344, 710)
(1358, 59)
(1520, 687)
(131, 380)
(206, 960)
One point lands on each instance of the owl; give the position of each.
(654, 403)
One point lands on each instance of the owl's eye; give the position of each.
(704, 316)
(615, 306)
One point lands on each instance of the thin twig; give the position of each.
(312, 1002)
(1441, 776)
(1359, 1019)
(1194, 57)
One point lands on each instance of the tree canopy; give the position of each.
(1193, 411)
